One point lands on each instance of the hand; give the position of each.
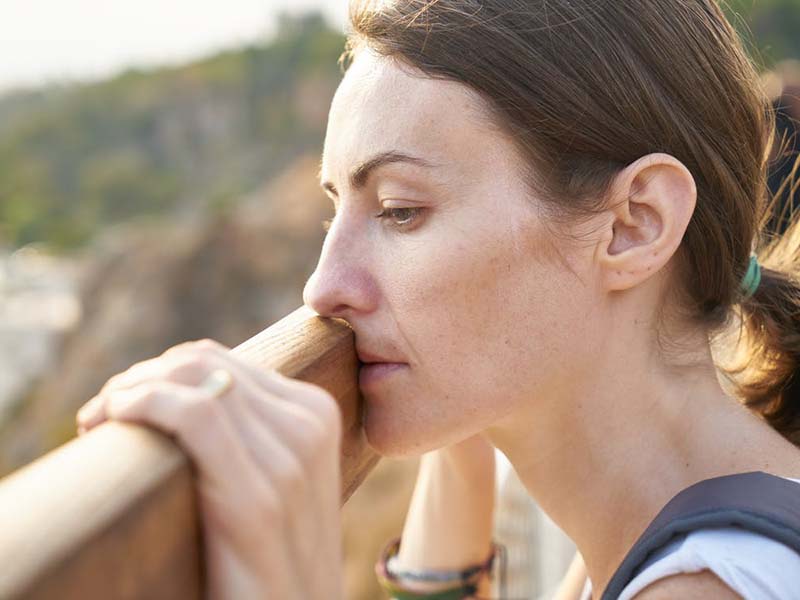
(267, 457)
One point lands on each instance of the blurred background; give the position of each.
(158, 184)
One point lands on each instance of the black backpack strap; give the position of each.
(755, 501)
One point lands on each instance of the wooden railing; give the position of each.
(113, 514)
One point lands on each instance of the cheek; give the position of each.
(483, 326)
(479, 322)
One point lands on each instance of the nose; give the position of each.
(341, 285)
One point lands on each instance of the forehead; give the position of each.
(384, 105)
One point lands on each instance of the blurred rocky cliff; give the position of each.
(158, 207)
(152, 208)
(139, 289)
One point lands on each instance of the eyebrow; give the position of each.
(360, 175)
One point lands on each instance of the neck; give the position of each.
(603, 454)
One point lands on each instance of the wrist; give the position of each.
(448, 583)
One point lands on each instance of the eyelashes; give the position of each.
(411, 214)
(408, 216)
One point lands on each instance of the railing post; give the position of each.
(113, 514)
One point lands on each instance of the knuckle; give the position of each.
(199, 413)
(145, 392)
(115, 380)
(148, 392)
(315, 441)
(176, 349)
(321, 403)
(121, 402)
(315, 393)
(328, 410)
(89, 408)
(205, 344)
(201, 344)
(184, 367)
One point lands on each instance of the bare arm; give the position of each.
(704, 584)
(450, 518)
(449, 523)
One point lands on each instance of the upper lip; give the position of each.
(369, 357)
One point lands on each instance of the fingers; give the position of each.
(265, 438)
(302, 393)
(299, 415)
(266, 449)
(317, 411)
(192, 417)
(90, 414)
(262, 436)
(309, 417)
(233, 449)
(189, 363)
(177, 367)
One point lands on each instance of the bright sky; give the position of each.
(61, 40)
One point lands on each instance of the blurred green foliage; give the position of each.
(771, 28)
(172, 142)
(163, 142)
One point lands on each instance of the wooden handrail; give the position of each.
(113, 514)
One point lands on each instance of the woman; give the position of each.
(545, 212)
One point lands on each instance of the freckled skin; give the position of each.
(470, 295)
(547, 340)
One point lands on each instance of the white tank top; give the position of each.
(753, 565)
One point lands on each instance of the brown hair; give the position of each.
(585, 87)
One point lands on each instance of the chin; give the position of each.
(395, 437)
(405, 434)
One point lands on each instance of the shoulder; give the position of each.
(725, 562)
(704, 584)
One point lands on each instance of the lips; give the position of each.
(375, 368)
(372, 358)
(372, 374)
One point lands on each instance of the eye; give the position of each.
(400, 217)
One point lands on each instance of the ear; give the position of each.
(652, 201)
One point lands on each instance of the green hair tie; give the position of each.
(752, 278)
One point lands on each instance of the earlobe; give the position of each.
(652, 201)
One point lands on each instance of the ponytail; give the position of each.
(765, 370)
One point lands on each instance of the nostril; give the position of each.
(339, 311)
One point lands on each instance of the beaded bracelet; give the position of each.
(464, 583)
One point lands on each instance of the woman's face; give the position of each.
(461, 281)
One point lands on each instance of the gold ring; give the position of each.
(217, 383)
